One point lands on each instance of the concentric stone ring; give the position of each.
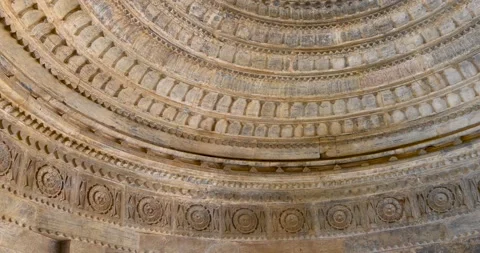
(441, 199)
(100, 198)
(245, 221)
(339, 217)
(150, 210)
(5, 159)
(49, 181)
(389, 210)
(292, 220)
(198, 217)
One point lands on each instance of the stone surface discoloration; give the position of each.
(239, 126)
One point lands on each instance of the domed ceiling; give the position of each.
(243, 120)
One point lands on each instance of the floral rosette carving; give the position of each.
(198, 217)
(441, 199)
(150, 210)
(389, 210)
(5, 159)
(49, 181)
(245, 221)
(100, 198)
(292, 220)
(339, 217)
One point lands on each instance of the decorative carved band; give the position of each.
(76, 192)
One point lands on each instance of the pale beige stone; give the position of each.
(239, 126)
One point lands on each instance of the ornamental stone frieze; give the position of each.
(239, 126)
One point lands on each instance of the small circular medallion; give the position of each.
(5, 159)
(339, 217)
(245, 221)
(389, 210)
(100, 198)
(49, 181)
(198, 217)
(292, 220)
(440, 199)
(150, 210)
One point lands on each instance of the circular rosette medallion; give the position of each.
(5, 159)
(339, 217)
(198, 217)
(292, 220)
(389, 210)
(440, 199)
(150, 210)
(100, 198)
(245, 221)
(49, 181)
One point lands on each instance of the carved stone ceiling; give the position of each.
(242, 121)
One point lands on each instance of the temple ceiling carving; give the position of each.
(242, 120)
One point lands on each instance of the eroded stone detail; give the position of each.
(5, 158)
(441, 199)
(344, 122)
(100, 198)
(49, 181)
(389, 210)
(292, 220)
(339, 217)
(245, 221)
(150, 210)
(198, 217)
